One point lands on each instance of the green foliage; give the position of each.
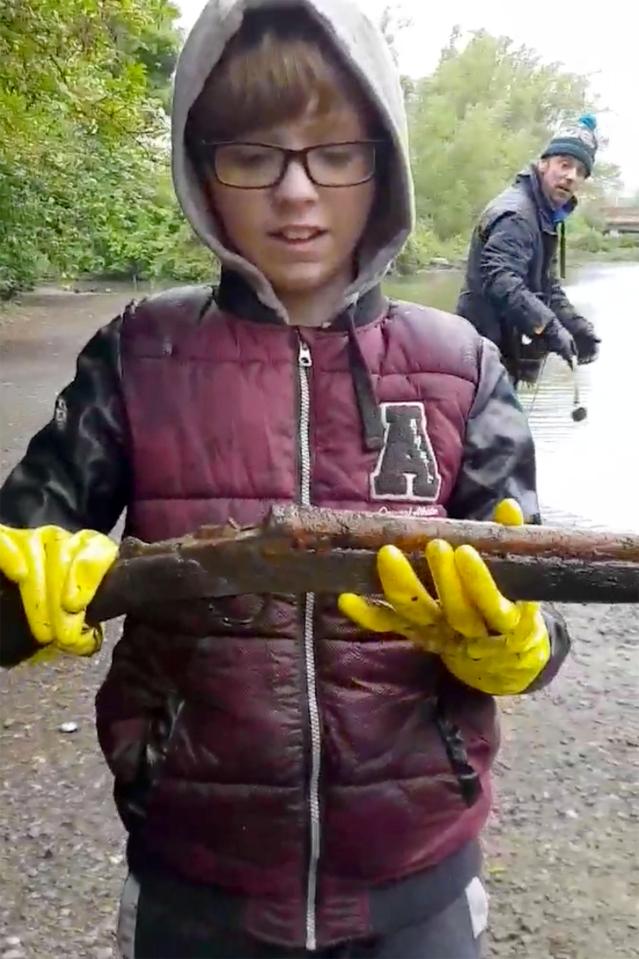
(424, 248)
(593, 241)
(82, 89)
(488, 109)
(84, 171)
(585, 237)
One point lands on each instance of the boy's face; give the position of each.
(300, 235)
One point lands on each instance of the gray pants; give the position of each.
(454, 933)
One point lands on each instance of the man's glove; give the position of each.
(486, 641)
(587, 342)
(58, 574)
(560, 341)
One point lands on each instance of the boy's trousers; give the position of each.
(147, 930)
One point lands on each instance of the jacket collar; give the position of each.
(235, 295)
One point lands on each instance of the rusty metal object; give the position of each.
(307, 549)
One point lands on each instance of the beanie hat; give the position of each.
(578, 140)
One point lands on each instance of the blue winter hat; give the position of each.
(578, 140)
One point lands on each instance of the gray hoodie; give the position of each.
(360, 44)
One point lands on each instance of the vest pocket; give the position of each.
(132, 796)
(453, 741)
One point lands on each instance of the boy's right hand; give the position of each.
(58, 574)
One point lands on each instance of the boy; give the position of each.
(292, 784)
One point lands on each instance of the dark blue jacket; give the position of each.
(511, 288)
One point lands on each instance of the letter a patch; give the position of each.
(406, 468)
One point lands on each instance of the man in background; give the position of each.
(512, 294)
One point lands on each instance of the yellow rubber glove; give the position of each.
(58, 574)
(484, 639)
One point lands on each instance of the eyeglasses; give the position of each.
(257, 166)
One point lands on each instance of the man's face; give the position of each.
(300, 235)
(561, 178)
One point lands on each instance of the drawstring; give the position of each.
(562, 250)
(369, 411)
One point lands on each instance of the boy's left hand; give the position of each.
(484, 639)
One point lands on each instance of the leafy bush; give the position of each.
(424, 248)
(85, 186)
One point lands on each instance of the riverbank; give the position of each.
(578, 257)
(561, 858)
(411, 269)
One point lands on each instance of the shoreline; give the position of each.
(84, 285)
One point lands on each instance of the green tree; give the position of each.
(82, 93)
(393, 21)
(84, 173)
(488, 108)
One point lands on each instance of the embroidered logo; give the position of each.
(406, 468)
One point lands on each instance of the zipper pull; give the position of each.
(304, 357)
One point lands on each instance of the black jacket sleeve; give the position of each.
(499, 454)
(505, 257)
(499, 463)
(75, 472)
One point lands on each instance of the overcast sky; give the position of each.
(603, 44)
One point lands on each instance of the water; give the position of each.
(587, 472)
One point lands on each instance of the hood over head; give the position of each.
(361, 48)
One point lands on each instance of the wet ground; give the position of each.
(562, 846)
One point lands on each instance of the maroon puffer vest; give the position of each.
(283, 754)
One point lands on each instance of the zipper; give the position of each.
(305, 363)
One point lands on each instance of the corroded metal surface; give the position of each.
(301, 550)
